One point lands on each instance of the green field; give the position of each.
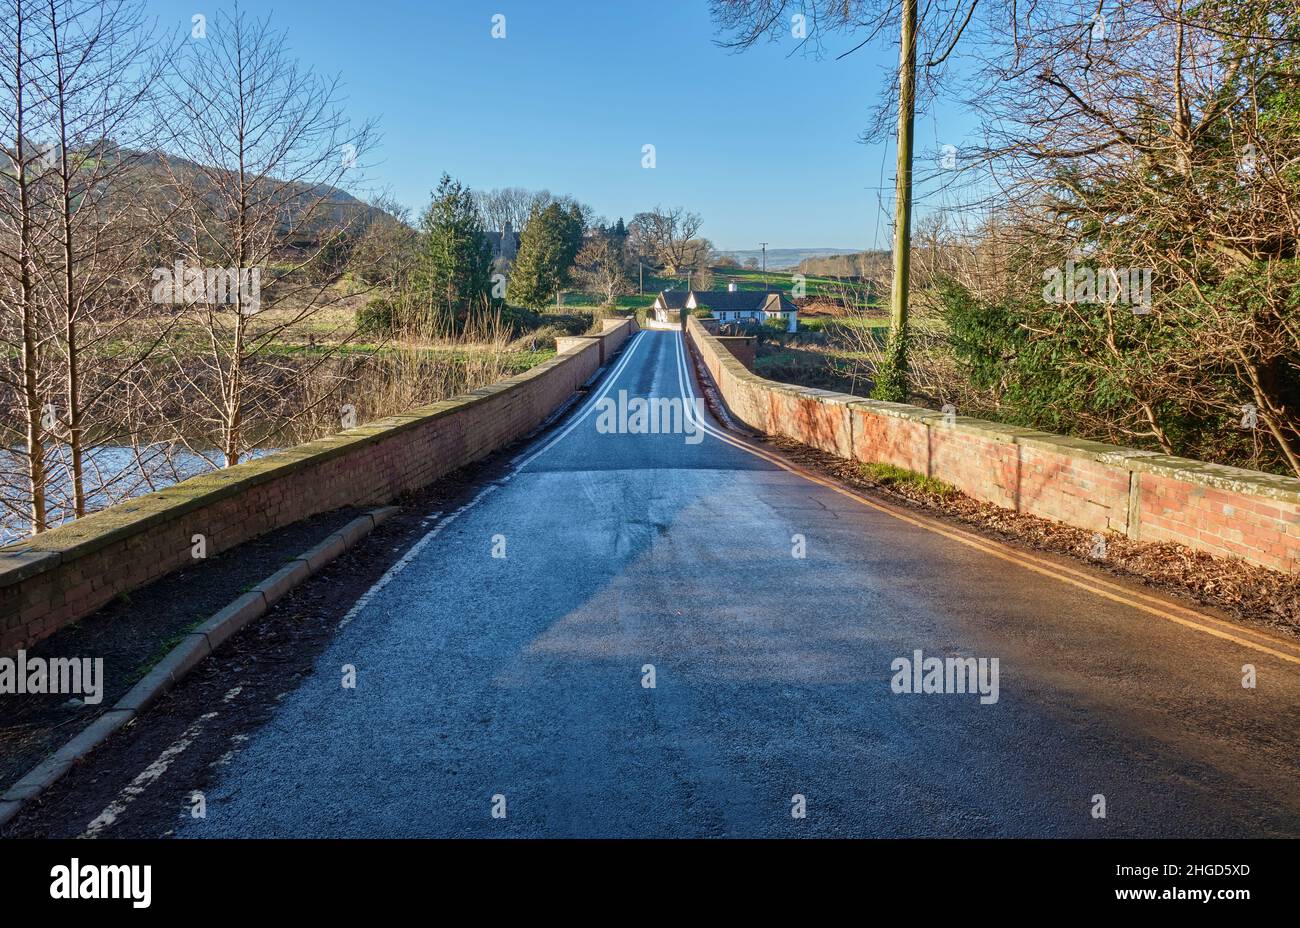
(631, 301)
(742, 278)
(746, 279)
(822, 323)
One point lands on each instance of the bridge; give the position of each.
(651, 622)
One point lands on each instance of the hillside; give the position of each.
(847, 264)
(334, 207)
(781, 259)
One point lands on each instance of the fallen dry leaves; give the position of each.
(1254, 595)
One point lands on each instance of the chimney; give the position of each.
(731, 287)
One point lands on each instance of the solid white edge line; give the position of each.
(365, 598)
(581, 416)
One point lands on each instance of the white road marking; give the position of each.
(688, 394)
(590, 405)
(1086, 581)
(414, 551)
(409, 556)
(224, 759)
(146, 778)
(163, 762)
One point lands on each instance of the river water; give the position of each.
(113, 473)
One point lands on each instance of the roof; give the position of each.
(503, 244)
(672, 299)
(730, 301)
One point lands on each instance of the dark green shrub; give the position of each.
(378, 318)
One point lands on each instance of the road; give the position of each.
(520, 683)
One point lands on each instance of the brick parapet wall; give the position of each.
(68, 572)
(1147, 496)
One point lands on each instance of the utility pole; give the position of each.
(764, 244)
(640, 278)
(893, 384)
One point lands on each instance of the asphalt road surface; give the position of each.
(640, 634)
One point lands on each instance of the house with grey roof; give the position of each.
(667, 301)
(730, 306)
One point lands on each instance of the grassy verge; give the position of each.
(887, 475)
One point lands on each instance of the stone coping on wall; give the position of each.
(24, 559)
(1200, 473)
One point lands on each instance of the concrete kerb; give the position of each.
(274, 587)
(179, 661)
(232, 618)
(184, 657)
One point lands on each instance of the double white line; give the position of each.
(689, 399)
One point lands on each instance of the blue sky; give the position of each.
(763, 144)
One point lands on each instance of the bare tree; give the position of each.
(387, 251)
(843, 27)
(99, 73)
(602, 268)
(544, 198)
(668, 236)
(503, 205)
(699, 272)
(935, 32)
(1161, 137)
(25, 233)
(257, 149)
(516, 205)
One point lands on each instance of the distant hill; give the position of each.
(333, 207)
(874, 264)
(780, 259)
